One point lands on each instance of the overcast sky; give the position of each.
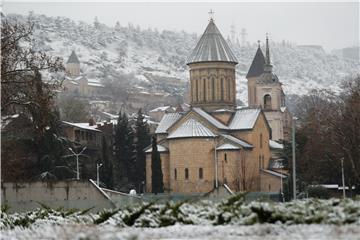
(332, 25)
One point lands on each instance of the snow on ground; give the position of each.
(254, 232)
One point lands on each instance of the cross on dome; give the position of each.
(211, 15)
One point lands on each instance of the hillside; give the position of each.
(156, 60)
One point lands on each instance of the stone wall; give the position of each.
(67, 194)
(192, 154)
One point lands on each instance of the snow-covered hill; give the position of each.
(108, 52)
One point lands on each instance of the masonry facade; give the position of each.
(214, 143)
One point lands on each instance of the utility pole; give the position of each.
(77, 161)
(98, 166)
(293, 158)
(216, 165)
(343, 177)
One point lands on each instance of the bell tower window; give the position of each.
(267, 101)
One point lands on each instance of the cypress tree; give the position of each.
(120, 164)
(156, 176)
(142, 141)
(124, 153)
(107, 168)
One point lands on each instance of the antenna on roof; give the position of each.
(211, 15)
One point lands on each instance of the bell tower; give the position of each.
(212, 72)
(73, 65)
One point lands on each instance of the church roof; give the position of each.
(210, 118)
(244, 118)
(257, 65)
(212, 47)
(237, 141)
(160, 148)
(275, 145)
(73, 58)
(227, 146)
(191, 128)
(167, 121)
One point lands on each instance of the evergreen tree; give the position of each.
(142, 141)
(124, 154)
(107, 168)
(156, 176)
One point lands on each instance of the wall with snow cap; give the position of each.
(26, 196)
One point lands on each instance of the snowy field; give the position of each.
(254, 232)
(233, 218)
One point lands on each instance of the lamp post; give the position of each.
(98, 166)
(343, 177)
(281, 182)
(293, 158)
(77, 161)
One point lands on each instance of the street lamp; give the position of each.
(77, 161)
(343, 177)
(293, 157)
(98, 166)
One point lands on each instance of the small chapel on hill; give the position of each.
(216, 143)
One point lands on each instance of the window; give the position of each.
(186, 174)
(175, 174)
(262, 158)
(261, 140)
(269, 187)
(200, 173)
(225, 157)
(267, 101)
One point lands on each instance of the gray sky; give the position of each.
(332, 25)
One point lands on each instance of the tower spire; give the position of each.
(268, 66)
(267, 49)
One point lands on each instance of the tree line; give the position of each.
(328, 132)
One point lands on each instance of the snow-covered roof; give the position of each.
(276, 174)
(275, 145)
(223, 110)
(85, 126)
(160, 109)
(244, 118)
(237, 141)
(160, 148)
(74, 78)
(283, 109)
(167, 121)
(276, 163)
(210, 118)
(227, 146)
(191, 128)
(95, 84)
(212, 47)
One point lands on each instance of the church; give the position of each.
(216, 143)
(77, 83)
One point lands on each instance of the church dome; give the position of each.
(212, 47)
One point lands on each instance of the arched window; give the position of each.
(175, 174)
(225, 157)
(200, 173)
(186, 173)
(261, 140)
(267, 101)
